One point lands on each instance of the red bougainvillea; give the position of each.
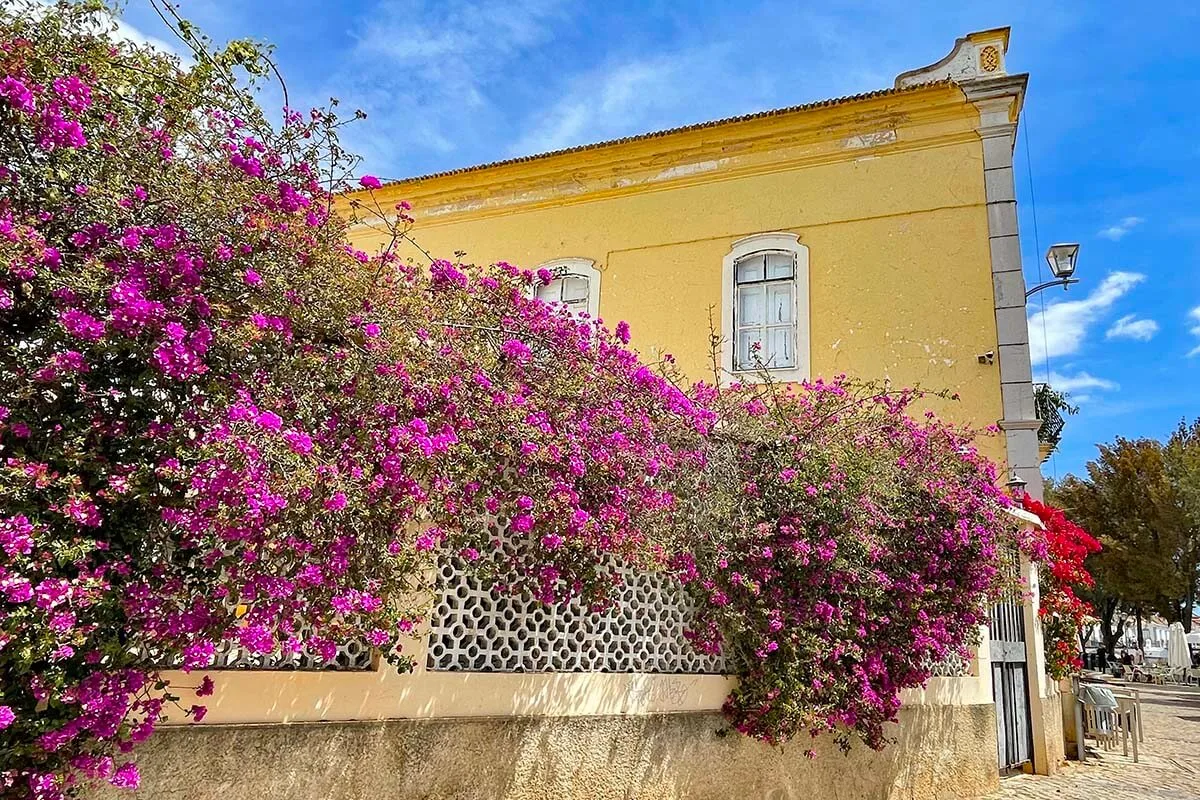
(1060, 572)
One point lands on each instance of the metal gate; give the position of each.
(1010, 685)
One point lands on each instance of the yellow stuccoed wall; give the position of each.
(900, 278)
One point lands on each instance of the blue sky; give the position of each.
(1110, 125)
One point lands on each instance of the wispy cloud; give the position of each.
(1078, 382)
(616, 100)
(1130, 327)
(1066, 324)
(457, 82)
(126, 31)
(1118, 231)
(113, 26)
(426, 71)
(1194, 318)
(706, 78)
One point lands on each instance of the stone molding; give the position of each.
(976, 56)
(918, 118)
(1020, 424)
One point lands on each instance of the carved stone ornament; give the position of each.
(975, 56)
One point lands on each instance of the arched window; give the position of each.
(764, 312)
(576, 285)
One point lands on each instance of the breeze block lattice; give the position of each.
(477, 627)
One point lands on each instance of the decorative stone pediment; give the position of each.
(976, 56)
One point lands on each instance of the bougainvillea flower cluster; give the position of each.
(861, 548)
(1061, 572)
(221, 423)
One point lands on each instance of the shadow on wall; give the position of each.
(942, 752)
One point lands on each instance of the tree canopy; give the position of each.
(1139, 498)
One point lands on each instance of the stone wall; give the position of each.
(942, 753)
(1067, 701)
(1056, 743)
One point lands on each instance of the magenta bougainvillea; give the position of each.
(860, 550)
(219, 422)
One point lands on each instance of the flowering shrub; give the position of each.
(858, 547)
(219, 422)
(1061, 571)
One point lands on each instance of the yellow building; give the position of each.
(872, 235)
(895, 207)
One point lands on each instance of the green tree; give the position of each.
(1134, 502)
(1181, 458)
(1082, 502)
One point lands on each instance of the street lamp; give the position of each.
(1016, 484)
(1061, 258)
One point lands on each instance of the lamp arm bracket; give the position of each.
(1063, 282)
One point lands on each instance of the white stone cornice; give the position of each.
(1019, 424)
(999, 100)
(991, 131)
(997, 87)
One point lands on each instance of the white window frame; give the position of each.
(579, 267)
(776, 242)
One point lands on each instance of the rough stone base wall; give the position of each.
(1067, 718)
(943, 753)
(1056, 744)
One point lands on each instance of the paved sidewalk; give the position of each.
(1168, 767)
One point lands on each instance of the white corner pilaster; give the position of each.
(1043, 693)
(999, 103)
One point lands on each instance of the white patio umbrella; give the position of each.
(1178, 654)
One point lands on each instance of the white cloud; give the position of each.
(1079, 381)
(1063, 327)
(1130, 327)
(425, 71)
(448, 83)
(109, 25)
(1194, 316)
(1117, 231)
(126, 31)
(572, 120)
(611, 102)
(704, 79)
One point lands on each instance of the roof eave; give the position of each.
(668, 132)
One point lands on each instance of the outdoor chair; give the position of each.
(1163, 675)
(1103, 715)
(1148, 673)
(1129, 720)
(1101, 725)
(1129, 711)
